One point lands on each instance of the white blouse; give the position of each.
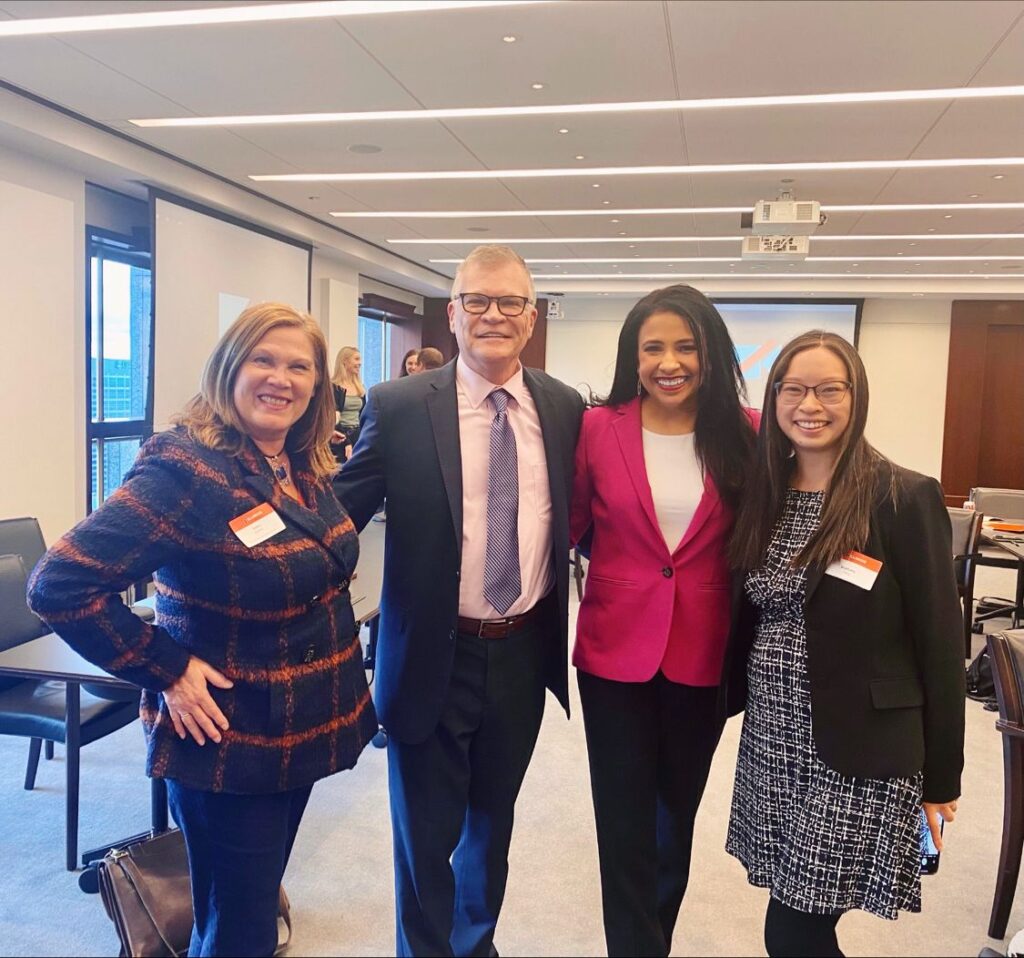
(677, 482)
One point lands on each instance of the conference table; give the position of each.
(1011, 544)
(48, 658)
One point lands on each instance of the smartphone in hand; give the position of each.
(929, 853)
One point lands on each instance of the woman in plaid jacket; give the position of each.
(252, 678)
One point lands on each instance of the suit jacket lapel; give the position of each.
(815, 573)
(443, 409)
(629, 433)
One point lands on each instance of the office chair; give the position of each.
(966, 525)
(51, 711)
(1006, 651)
(1003, 504)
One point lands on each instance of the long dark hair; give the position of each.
(724, 437)
(403, 371)
(851, 492)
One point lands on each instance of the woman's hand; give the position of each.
(191, 707)
(932, 811)
(337, 437)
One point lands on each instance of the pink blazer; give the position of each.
(645, 608)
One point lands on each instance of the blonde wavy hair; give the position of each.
(210, 417)
(341, 376)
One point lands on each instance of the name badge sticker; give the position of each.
(856, 568)
(257, 525)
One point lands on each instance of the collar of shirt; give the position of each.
(476, 388)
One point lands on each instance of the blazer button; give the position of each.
(667, 572)
(309, 655)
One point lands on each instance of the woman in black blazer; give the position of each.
(848, 614)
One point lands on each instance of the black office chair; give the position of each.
(966, 525)
(1006, 504)
(1006, 652)
(51, 711)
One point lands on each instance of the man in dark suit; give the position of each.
(475, 460)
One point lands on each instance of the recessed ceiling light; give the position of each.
(917, 294)
(605, 203)
(899, 254)
(596, 185)
(912, 244)
(622, 233)
(931, 229)
(972, 196)
(999, 176)
(692, 169)
(580, 156)
(948, 216)
(510, 39)
(616, 221)
(252, 13)
(563, 130)
(365, 148)
(632, 245)
(51, 24)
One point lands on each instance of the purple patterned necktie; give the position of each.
(502, 581)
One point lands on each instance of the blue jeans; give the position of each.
(238, 847)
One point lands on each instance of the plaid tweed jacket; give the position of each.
(276, 618)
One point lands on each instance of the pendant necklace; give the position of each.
(279, 469)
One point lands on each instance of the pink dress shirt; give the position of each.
(475, 415)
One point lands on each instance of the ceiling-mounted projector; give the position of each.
(786, 216)
(776, 247)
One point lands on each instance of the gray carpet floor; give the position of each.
(340, 880)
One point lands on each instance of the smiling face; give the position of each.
(275, 384)
(814, 427)
(668, 363)
(490, 343)
(412, 363)
(353, 364)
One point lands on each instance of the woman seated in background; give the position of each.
(660, 467)
(349, 399)
(252, 676)
(410, 363)
(430, 358)
(848, 658)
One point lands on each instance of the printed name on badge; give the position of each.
(857, 569)
(257, 525)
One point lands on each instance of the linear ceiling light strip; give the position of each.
(759, 276)
(580, 109)
(547, 240)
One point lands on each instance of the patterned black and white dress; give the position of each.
(820, 841)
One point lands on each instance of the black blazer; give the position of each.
(408, 451)
(885, 665)
(340, 393)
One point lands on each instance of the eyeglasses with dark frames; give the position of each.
(829, 393)
(478, 303)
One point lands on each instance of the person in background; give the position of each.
(410, 363)
(349, 399)
(430, 358)
(660, 467)
(252, 676)
(476, 461)
(848, 658)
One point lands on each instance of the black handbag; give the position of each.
(147, 894)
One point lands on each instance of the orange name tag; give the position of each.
(857, 569)
(257, 525)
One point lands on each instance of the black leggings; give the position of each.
(789, 933)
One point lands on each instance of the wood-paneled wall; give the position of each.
(983, 440)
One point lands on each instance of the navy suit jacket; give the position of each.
(409, 451)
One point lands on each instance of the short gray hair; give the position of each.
(493, 255)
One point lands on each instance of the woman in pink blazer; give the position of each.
(659, 469)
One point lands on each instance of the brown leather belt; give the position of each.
(498, 628)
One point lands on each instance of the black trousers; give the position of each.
(650, 746)
(789, 933)
(453, 795)
(238, 847)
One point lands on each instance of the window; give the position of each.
(375, 349)
(119, 347)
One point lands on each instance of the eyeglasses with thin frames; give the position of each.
(478, 303)
(829, 393)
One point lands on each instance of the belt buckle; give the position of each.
(500, 625)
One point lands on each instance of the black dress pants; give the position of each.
(650, 746)
(453, 795)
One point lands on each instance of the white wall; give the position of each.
(42, 342)
(335, 302)
(904, 344)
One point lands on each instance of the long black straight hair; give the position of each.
(724, 436)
